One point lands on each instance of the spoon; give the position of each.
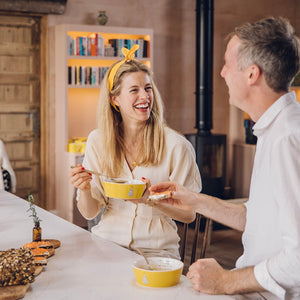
(117, 180)
(148, 267)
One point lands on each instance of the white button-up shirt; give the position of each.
(272, 234)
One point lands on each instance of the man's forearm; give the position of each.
(240, 281)
(222, 211)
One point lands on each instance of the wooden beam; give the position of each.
(34, 6)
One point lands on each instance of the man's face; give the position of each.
(234, 78)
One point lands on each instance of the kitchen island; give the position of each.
(84, 266)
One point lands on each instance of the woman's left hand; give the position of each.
(145, 195)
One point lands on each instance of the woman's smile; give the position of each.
(142, 106)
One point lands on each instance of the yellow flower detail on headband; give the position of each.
(129, 55)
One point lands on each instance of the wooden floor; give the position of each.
(225, 246)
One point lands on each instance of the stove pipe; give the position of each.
(210, 148)
(204, 65)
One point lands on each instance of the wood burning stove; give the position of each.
(210, 148)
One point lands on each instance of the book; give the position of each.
(69, 75)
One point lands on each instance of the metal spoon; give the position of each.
(148, 267)
(117, 180)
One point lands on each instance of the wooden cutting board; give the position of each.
(55, 243)
(51, 252)
(13, 292)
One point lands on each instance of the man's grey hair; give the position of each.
(272, 45)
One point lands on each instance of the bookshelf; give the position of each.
(76, 97)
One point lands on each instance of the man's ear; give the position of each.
(254, 73)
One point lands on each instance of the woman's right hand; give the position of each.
(80, 179)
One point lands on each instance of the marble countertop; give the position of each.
(84, 266)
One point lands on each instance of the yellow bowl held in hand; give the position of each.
(129, 190)
(165, 271)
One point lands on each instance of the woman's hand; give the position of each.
(80, 179)
(145, 195)
(181, 197)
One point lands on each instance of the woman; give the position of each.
(133, 142)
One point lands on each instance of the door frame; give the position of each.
(44, 107)
(44, 115)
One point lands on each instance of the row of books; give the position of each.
(86, 46)
(84, 75)
(94, 45)
(118, 44)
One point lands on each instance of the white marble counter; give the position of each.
(85, 266)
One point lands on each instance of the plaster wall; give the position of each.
(173, 22)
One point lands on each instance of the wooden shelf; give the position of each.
(80, 86)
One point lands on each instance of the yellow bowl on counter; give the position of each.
(166, 271)
(129, 190)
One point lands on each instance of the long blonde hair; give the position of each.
(109, 122)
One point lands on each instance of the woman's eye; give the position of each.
(133, 90)
(148, 88)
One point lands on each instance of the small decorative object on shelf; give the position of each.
(37, 230)
(102, 17)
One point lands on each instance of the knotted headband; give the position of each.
(129, 55)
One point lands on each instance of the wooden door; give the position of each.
(20, 99)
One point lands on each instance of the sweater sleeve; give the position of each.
(5, 164)
(91, 161)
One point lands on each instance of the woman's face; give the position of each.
(136, 97)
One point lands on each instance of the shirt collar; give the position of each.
(270, 114)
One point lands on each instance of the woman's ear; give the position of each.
(114, 100)
(254, 73)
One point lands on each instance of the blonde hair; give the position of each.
(109, 122)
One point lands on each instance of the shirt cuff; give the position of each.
(264, 278)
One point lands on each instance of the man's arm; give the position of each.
(207, 276)
(222, 211)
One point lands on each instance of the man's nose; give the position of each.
(222, 73)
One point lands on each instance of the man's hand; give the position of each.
(207, 276)
(181, 197)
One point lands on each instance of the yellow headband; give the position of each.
(129, 55)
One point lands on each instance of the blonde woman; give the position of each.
(133, 142)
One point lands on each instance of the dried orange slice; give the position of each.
(39, 252)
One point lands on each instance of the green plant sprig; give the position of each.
(36, 219)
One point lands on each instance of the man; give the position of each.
(261, 61)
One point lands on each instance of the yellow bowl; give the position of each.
(131, 190)
(166, 271)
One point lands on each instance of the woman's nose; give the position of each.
(144, 94)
